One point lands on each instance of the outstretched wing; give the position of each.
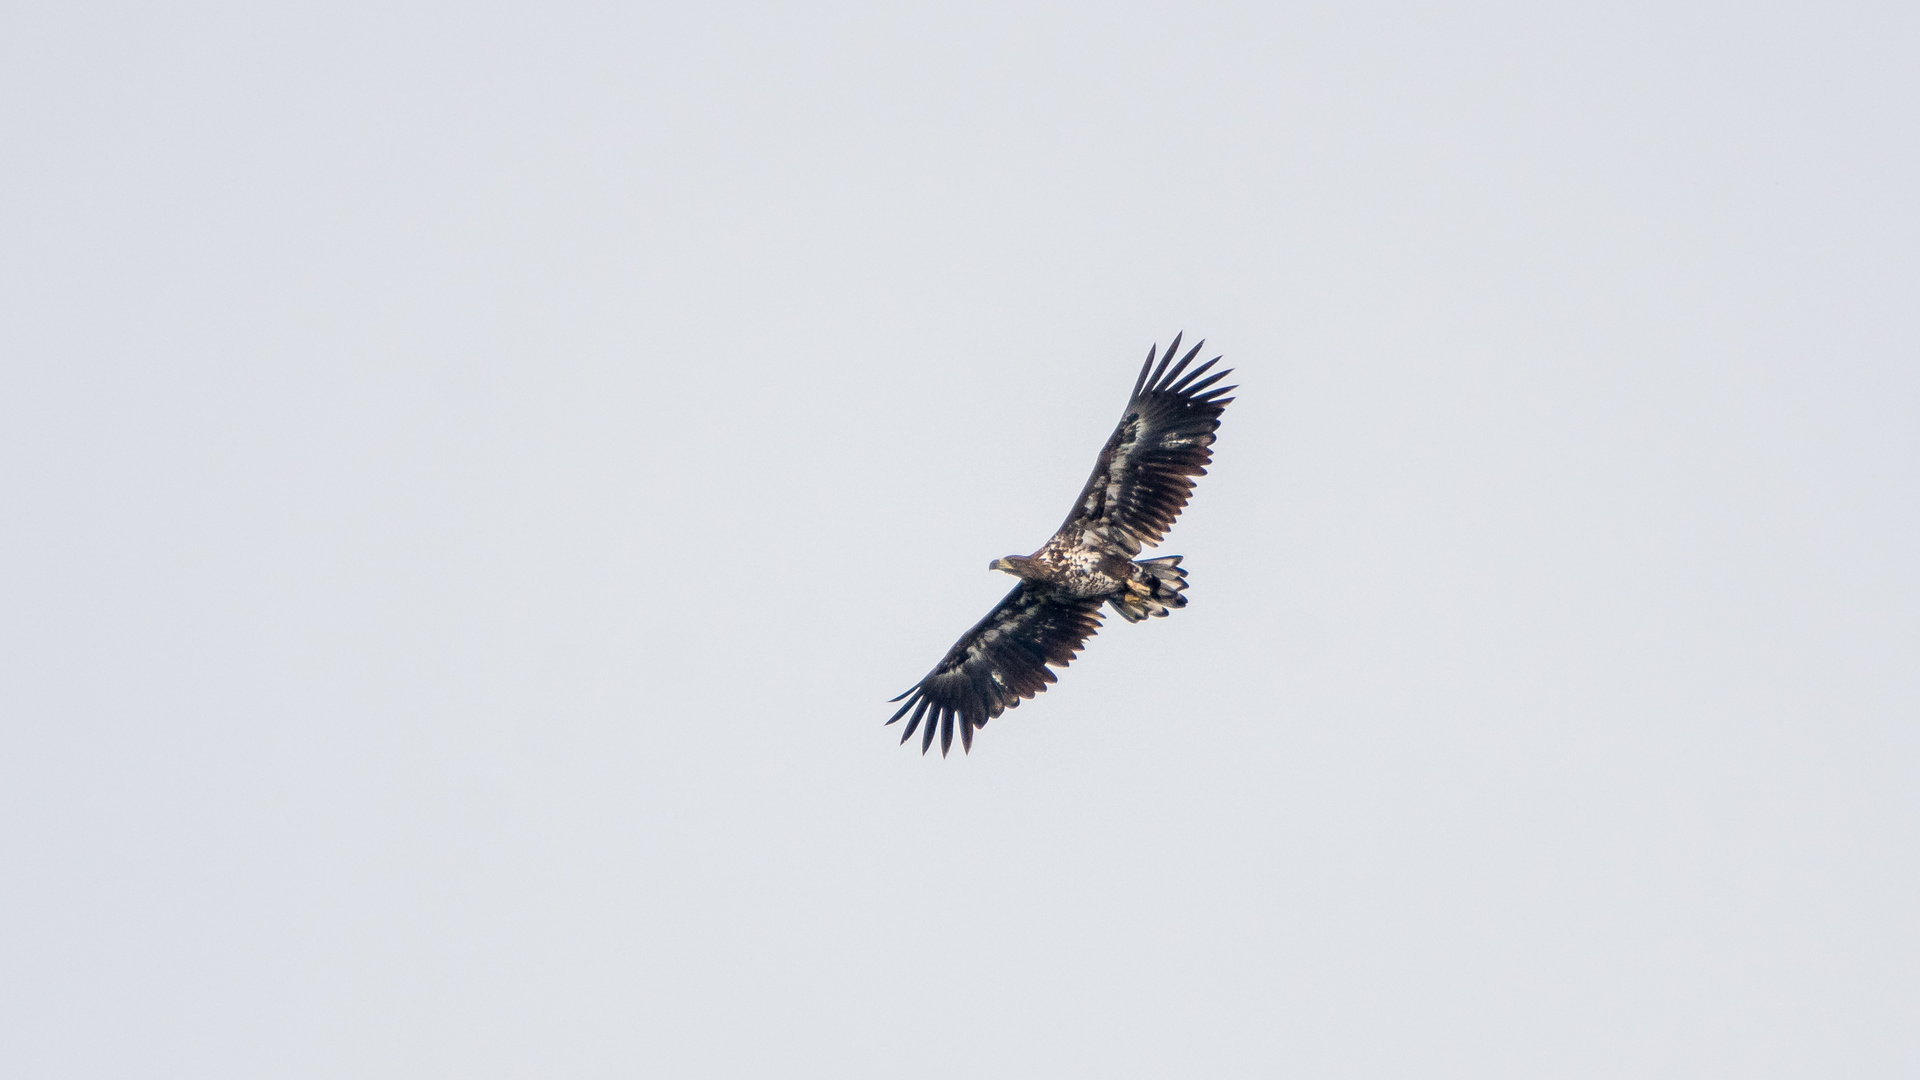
(1145, 475)
(1002, 660)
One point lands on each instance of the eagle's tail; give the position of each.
(1154, 589)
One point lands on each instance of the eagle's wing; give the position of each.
(1001, 660)
(1145, 475)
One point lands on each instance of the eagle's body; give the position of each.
(1139, 485)
(1075, 563)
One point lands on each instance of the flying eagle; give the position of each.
(1140, 484)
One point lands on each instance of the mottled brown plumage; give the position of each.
(1140, 483)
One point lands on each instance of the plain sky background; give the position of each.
(474, 474)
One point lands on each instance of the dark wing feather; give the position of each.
(1146, 472)
(998, 663)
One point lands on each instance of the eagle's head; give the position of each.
(1017, 565)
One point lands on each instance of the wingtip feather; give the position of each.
(1165, 384)
(1165, 359)
(1187, 385)
(1142, 380)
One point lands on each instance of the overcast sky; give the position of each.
(473, 475)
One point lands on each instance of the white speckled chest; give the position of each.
(1077, 560)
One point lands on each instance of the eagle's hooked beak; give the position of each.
(1001, 564)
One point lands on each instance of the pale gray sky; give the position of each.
(474, 476)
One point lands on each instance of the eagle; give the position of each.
(1141, 482)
